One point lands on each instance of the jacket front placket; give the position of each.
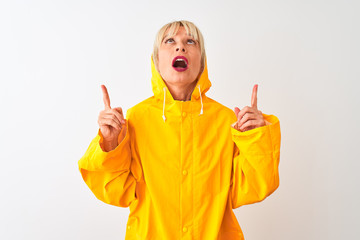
(186, 171)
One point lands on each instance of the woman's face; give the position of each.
(179, 60)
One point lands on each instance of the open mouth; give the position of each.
(180, 63)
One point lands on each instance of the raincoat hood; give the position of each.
(162, 93)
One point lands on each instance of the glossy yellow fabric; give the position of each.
(183, 176)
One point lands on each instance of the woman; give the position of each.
(180, 160)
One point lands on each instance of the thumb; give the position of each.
(119, 110)
(236, 110)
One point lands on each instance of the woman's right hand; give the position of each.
(111, 121)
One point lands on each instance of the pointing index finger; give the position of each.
(106, 97)
(254, 96)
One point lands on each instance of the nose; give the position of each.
(182, 49)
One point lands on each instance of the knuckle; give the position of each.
(246, 117)
(115, 112)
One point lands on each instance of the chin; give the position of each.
(181, 80)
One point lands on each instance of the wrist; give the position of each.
(108, 146)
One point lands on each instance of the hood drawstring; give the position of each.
(164, 104)
(164, 89)
(201, 111)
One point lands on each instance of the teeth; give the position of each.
(179, 59)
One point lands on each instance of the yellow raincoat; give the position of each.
(182, 167)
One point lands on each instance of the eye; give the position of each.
(191, 41)
(169, 40)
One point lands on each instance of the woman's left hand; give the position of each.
(249, 117)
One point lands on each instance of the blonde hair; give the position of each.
(173, 28)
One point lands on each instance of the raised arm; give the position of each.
(257, 138)
(105, 166)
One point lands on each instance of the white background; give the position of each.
(54, 55)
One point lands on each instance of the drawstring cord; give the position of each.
(201, 111)
(164, 89)
(164, 104)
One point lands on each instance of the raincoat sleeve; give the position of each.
(108, 174)
(255, 172)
